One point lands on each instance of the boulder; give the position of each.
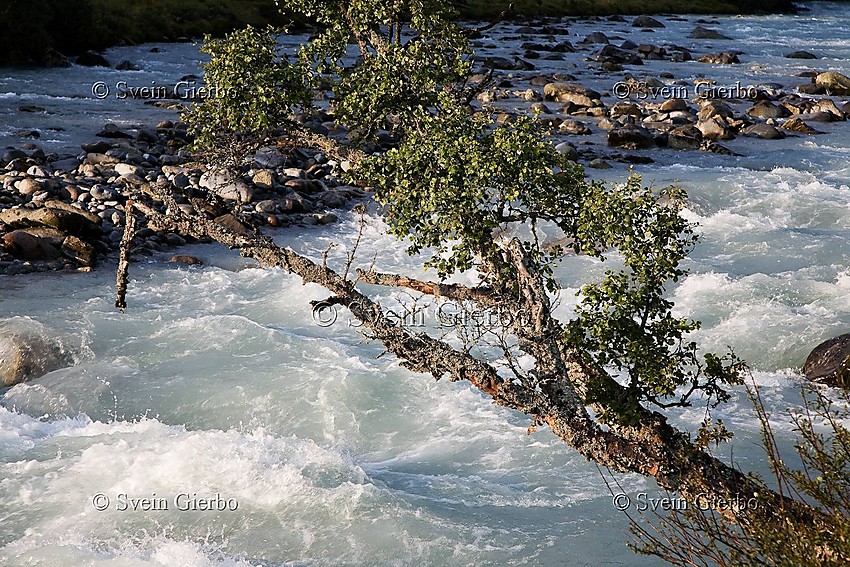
(27, 352)
(68, 220)
(828, 363)
(595, 37)
(715, 128)
(127, 65)
(186, 259)
(800, 55)
(796, 125)
(834, 83)
(712, 108)
(766, 109)
(269, 158)
(700, 32)
(723, 58)
(25, 246)
(574, 127)
(227, 186)
(685, 138)
(630, 137)
(646, 22)
(230, 222)
(92, 59)
(80, 251)
(763, 131)
(573, 93)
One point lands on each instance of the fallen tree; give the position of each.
(476, 195)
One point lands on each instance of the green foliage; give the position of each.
(255, 87)
(626, 319)
(398, 71)
(458, 180)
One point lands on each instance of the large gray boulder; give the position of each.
(27, 351)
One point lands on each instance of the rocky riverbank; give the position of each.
(69, 214)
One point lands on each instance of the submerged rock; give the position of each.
(27, 352)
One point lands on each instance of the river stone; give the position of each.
(715, 128)
(268, 158)
(646, 22)
(264, 179)
(127, 169)
(800, 55)
(567, 150)
(227, 186)
(25, 246)
(28, 186)
(630, 137)
(723, 58)
(766, 109)
(712, 108)
(828, 363)
(26, 352)
(574, 127)
(92, 59)
(795, 124)
(700, 32)
(78, 250)
(65, 220)
(763, 131)
(835, 83)
(685, 138)
(186, 259)
(573, 93)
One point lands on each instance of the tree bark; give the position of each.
(560, 377)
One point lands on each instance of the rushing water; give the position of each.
(217, 381)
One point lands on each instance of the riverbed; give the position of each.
(218, 384)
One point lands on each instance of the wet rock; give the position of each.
(764, 131)
(574, 127)
(723, 58)
(112, 131)
(795, 124)
(685, 138)
(103, 193)
(834, 83)
(572, 93)
(99, 147)
(715, 128)
(185, 259)
(25, 246)
(630, 137)
(92, 59)
(766, 109)
(595, 37)
(26, 352)
(127, 65)
(80, 251)
(326, 218)
(828, 363)
(800, 55)
(646, 22)
(567, 150)
(811, 89)
(711, 108)
(599, 163)
(73, 222)
(700, 32)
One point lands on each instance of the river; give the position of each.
(218, 386)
